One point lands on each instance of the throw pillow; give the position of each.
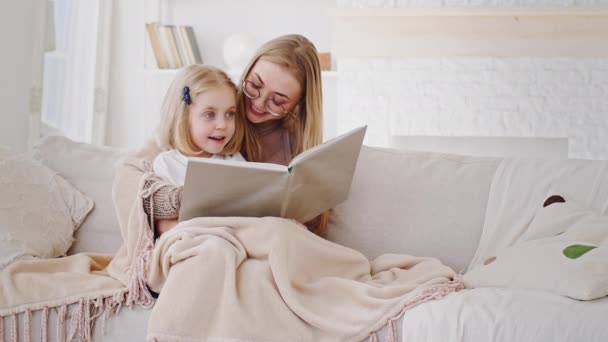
(565, 251)
(39, 210)
(91, 169)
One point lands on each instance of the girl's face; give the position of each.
(272, 90)
(212, 117)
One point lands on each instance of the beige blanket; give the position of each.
(269, 279)
(224, 279)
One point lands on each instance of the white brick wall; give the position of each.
(523, 97)
(502, 97)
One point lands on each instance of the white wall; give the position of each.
(511, 97)
(125, 101)
(135, 92)
(15, 71)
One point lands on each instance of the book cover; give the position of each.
(196, 54)
(316, 180)
(161, 61)
(168, 44)
(181, 47)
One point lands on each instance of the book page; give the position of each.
(346, 141)
(321, 180)
(215, 187)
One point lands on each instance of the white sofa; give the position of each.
(423, 204)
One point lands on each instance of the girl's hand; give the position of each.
(163, 226)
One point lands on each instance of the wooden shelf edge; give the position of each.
(462, 11)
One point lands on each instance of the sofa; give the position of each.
(416, 203)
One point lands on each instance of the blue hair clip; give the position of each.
(186, 96)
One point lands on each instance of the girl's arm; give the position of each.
(162, 207)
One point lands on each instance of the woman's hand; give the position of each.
(163, 226)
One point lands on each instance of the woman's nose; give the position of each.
(259, 103)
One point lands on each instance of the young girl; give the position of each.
(198, 119)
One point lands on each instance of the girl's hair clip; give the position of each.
(186, 95)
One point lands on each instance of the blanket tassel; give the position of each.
(27, 326)
(1, 328)
(14, 331)
(436, 291)
(392, 336)
(373, 337)
(61, 323)
(44, 326)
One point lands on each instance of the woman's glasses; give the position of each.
(273, 107)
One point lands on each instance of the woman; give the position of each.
(281, 97)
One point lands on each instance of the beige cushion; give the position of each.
(417, 203)
(91, 169)
(39, 210)
(564, 251)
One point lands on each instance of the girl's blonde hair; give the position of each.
(174, 128)
(296, 54)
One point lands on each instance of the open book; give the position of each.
(316, 180)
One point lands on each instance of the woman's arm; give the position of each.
(319, 224)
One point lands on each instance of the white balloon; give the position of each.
(238, 50)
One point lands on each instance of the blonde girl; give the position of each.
(199, 118)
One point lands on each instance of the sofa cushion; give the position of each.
(418, 203)
(39, 210)
(91, 169)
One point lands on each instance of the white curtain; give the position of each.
(75, 79)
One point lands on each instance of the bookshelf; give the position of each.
(263, 19)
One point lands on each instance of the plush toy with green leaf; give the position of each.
(564, 251)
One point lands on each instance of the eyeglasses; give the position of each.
(252, 91)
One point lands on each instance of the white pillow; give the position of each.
(91, 169)
(565, 251)
(39, 210)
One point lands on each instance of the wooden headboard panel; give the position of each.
(471, 32)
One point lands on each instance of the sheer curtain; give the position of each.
(75, 79)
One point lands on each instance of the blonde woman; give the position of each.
(282, 99)
(280, 96)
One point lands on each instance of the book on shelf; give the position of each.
(182, 46)
(192, 45)
(168, 42)
(173, 46)
(315, 180)
(157, 49)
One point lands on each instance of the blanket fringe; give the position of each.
(138, 289)
(14, 331)
(27, 326)
(61, 322)
(432, 292)
(44, 325)
(82, 318)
